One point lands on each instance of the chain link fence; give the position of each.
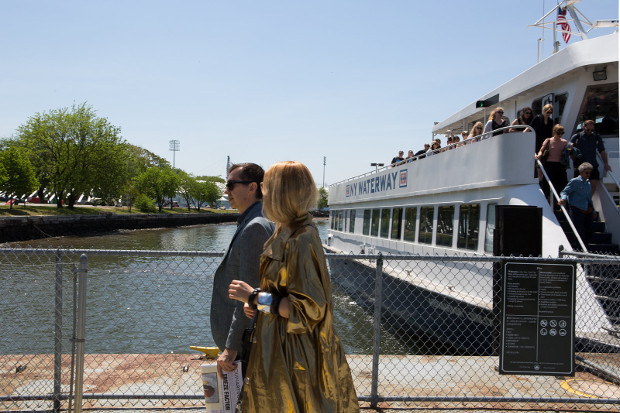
(426, 330)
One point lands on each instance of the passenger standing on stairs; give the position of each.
(556, 170)
(588, 142)
(578, 194)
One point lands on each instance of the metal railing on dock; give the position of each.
(137, 313)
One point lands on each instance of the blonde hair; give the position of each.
(492, 115)
(473, 130)
(547, 107)
(288, 192)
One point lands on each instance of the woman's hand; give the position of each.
(240, 291)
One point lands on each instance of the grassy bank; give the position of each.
(42, 209)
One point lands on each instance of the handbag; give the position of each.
(246, 345)
(545, 152)
(565, 159)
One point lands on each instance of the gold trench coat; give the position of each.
(298, 364)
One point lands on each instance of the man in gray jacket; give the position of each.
(241, 261)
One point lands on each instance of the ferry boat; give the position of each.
(445, 204)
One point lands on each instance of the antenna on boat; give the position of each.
(561, 24)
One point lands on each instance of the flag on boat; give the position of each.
(563, 23)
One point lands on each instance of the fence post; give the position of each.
(377, 327)
(58, 332)
(79, 339)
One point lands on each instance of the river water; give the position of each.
(143, 304)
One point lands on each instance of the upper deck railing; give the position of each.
(468, 141)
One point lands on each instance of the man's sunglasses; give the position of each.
(231, 184)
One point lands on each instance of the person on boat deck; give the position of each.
(421, 152)
(434, 148)
(464, 135)
(228, 320)
(578, 194)
(476, 131)
(556, 170)
(409, 156)
(397, 159)
(297, 362)
(588, 142)
(525, 118)
(496, 121)
(543, 127)
(455, 142)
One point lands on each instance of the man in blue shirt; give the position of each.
(588, 142)
(578, 194)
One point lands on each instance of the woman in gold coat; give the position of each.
(297, 363)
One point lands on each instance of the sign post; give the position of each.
(538, 319)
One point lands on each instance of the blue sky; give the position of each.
(267, 80)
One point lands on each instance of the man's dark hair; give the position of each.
(250, 172)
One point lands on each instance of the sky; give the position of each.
(349, 81)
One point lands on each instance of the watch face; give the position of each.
(264, 299)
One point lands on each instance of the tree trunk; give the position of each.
(59, 196)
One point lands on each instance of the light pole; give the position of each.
(376, 165)
(324, 163)
(174, 147)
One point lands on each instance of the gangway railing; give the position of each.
(555, 198)
(609, 174)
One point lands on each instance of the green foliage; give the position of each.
(322, 203)
(159, 184)
(198, 192)
(205, 192)
(73, 152)
(129, 194)
(145, 204)
(17, 176)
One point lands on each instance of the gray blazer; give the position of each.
(240, 263)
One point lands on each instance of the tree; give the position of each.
(159, 184)
(205, 192)
(74, 151)
(17, 175)
(322, 198)
(186, 184)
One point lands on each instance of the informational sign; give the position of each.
(538, 319)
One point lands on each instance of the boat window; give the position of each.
(426, 225)
(600, 104)
(374, 225)
(385, 223)
(488, 240)
(411, 215)
(445, 225)
(366, 228)
(538, 104)
(352, 221)
(332, 219)
(345, 218)
(397, 215)
(469, 223)
(559, 103)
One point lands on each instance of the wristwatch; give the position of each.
(264, 302)
(252, 297)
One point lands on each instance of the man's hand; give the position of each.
(225, 361)
(249, 311)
